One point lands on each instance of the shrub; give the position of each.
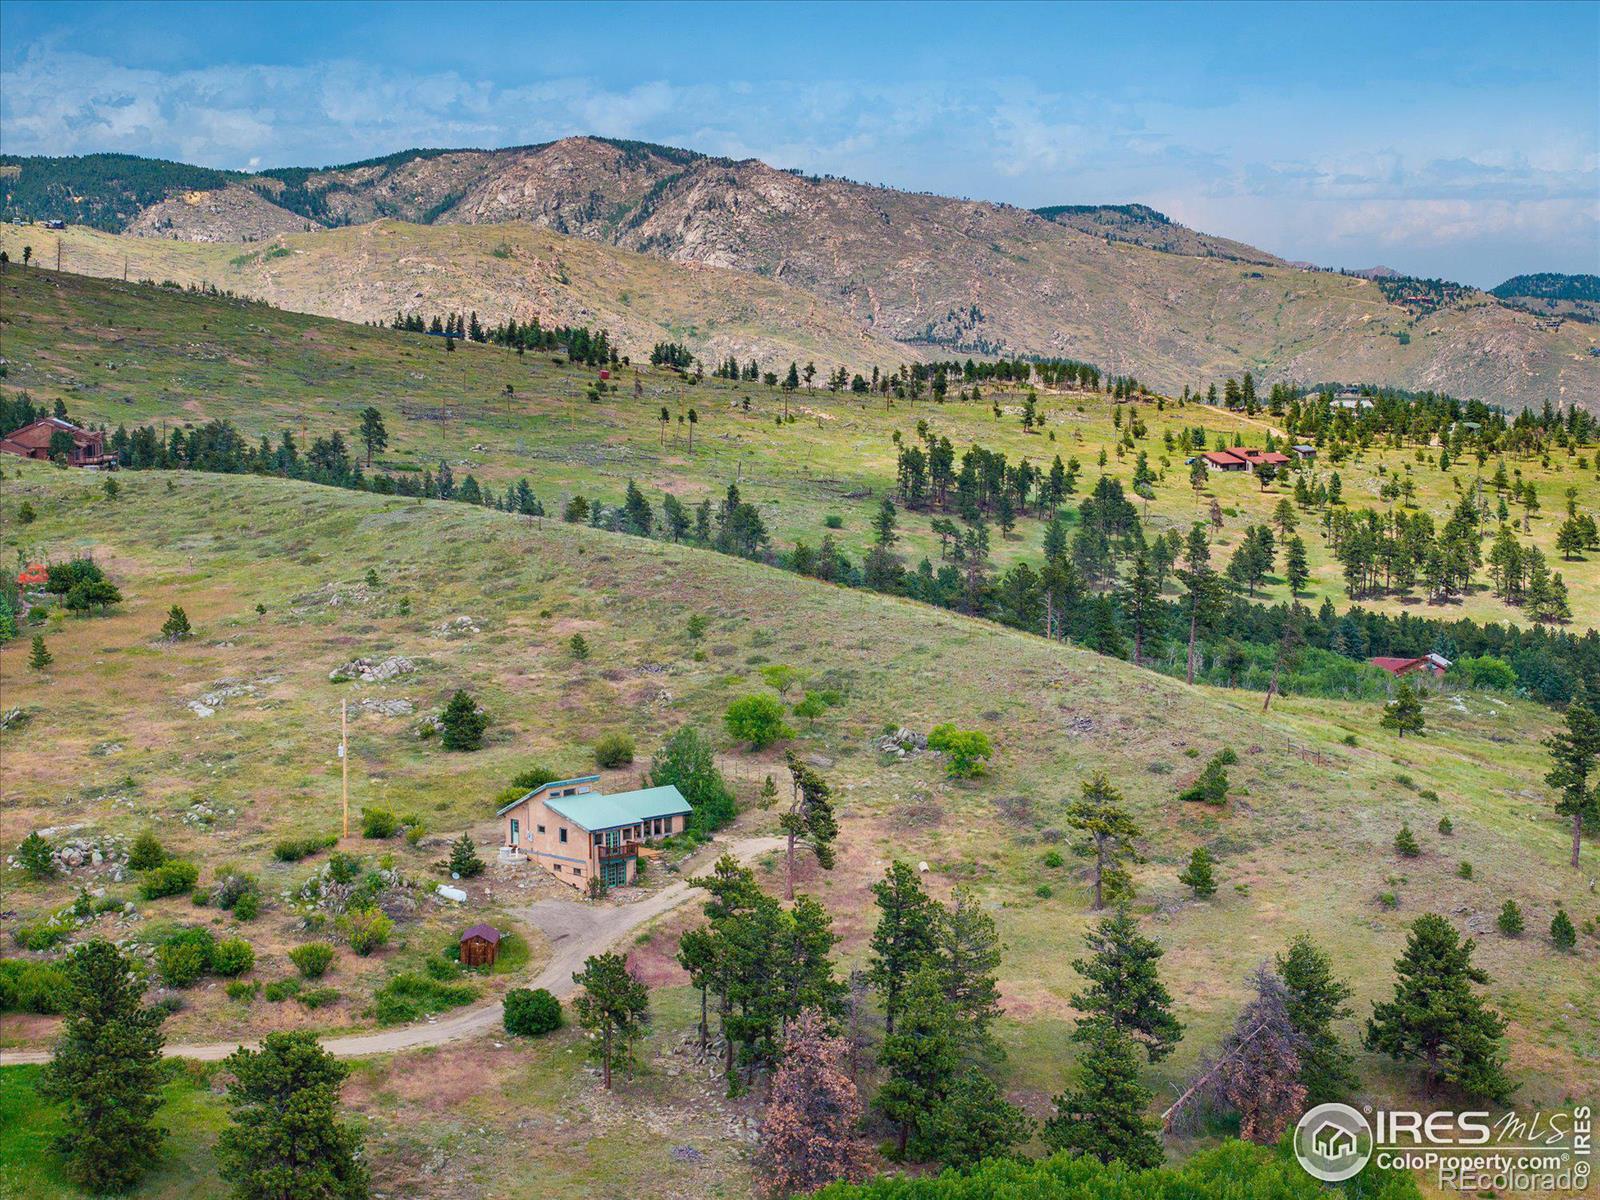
(319, 997)
(1044, 891)
(231, 887)
(1510, 919)
(1212, 785)
(1446, 827)
(243, 990)
(758, 720)
(462, 723)
(313, 959)
(282, 989)
(532, 1013)
(613, 750)
(36, 857)
(966, 751)
(416, 829)
(1405, 842)
(171, 878)
(200, 897)
(44, 934)
(146, 852)
(579, 647)
(176, 627)
(378, 823)
(1199, 875)
(182, 963)
(688, 763)
(248, 906)
(833, 521)
(32, 987)
(366, 929)
(1464, 870)
(407, 996)
(295, 849)
(232, 956)
(343, 868)
(1053, 859)
(535, 776)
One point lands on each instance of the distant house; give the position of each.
(1302, 451)
(1352, 401)
(1433, 665)
(33, 441)
(1243, 460)
(55, 223)
(579, 834)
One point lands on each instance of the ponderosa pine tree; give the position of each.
(176, 627)
(809, 821)
(906, 938)
(808, 1132)
(39, 656)
(614, 1008)
(1125, 985)
(1259, 1069)
(974, 1121)
(1198, 876)
(1108, 833)
(106, 1071)
(1316, 999)
(285, 1140)
(1141, 601)
(969, 950)
(921, 1057)
(372, 433)
(1562, 934)
(1105, 1115)
(1437, 1020)
(1403, 714)
(1574, 762)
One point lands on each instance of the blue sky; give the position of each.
(1440, 139)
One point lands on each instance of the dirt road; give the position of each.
(575, 930)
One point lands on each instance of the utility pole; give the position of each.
(344, 761)
(58, 256)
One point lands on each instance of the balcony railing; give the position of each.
(622, 850)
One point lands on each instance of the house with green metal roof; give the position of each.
(580, 834)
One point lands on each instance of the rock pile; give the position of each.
(366, 670)
(902, 743)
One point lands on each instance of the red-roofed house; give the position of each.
(33, 441)
(1434, 665)
(1225, 460)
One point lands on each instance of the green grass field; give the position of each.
(1306, 843)
(125, 354)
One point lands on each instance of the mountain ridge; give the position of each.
(1123, 286)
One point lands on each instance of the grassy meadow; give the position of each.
(126, 354)
(284, 582)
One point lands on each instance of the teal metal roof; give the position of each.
(593, 812)
(545, 787)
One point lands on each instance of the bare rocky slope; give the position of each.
(1120, 286)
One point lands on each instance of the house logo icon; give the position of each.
(1333, 1142)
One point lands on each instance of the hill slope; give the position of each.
(1116, 286)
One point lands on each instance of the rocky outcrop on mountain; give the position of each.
(230, 214)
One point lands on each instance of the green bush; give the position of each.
(171, 878)
(232, 956)
(758, 720)
(146, 852)
(378, 823)
(313, 959)
(231, 887)
(532, 1013)
(1053, 859)
(343, 868)
(318, 997)
(535, 776)
(408, 996)
(243, 990)
(181, 964)
(366, 929)
(966, 751)
(282, 989)
(613, 750)
(46, 933)
(32, 987)
(248, 906)
(36, 857)
(294, 849)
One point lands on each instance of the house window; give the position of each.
(541, 829)
(563, 833)
(599, 839)
(577, 870)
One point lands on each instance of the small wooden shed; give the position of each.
(479, 945)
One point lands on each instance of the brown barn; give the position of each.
(33, 441)
(479, 946)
